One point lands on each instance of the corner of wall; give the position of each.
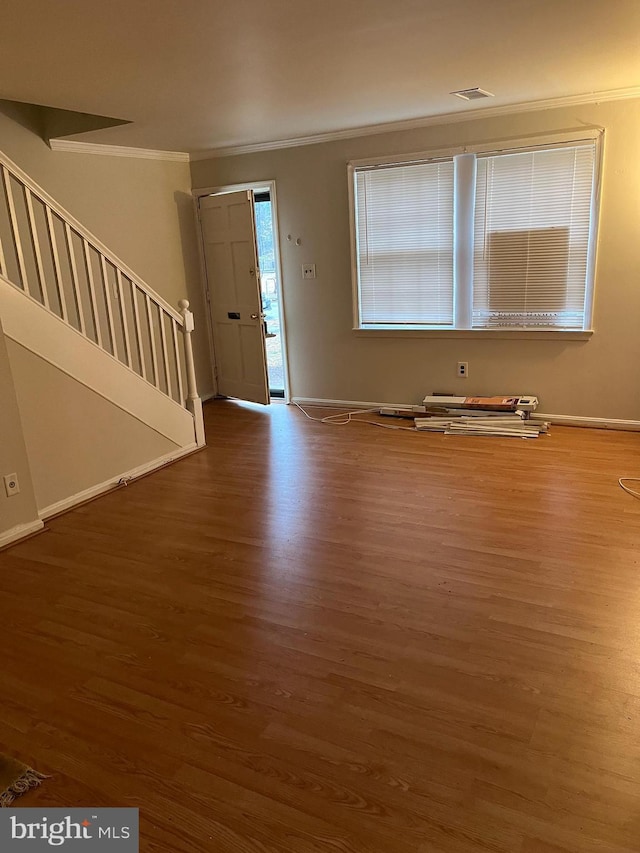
(18, 513)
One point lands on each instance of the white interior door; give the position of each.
(233, 279)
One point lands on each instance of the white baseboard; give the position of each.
(20, 531)
(108, 485)
(343, 404)
(560, 420)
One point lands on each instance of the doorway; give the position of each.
(269, 292)
(247, 334)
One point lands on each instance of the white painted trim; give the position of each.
(476, 334)
(504, 145)
(280, 289)
(594, 230)
(256, 186)
(114, 482)
(560, 420)
(73, 146)
(270, 185)
(459, 116)
(592, 423)
(20, 531)
(205, 293)
(346, 404)
(29, 324)
(353, 246)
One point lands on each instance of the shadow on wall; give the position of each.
(28, 116)
(195, 294)
(53, 123)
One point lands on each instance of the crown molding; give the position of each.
(412, 124)
(75, 147)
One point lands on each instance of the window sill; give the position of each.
(479, 334)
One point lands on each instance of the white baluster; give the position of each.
(152, 341)
(57, 271)
(92, 289)
(176, 352)
(193, 402)
(123, 315)
(165, 353)
(136, 323)
(107, 300)
(3, 263)
(35, 242)
(75, 281)
(15, 231)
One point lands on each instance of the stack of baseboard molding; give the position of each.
(509, 425)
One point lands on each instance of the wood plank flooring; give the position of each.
(314, 638)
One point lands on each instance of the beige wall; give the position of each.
(21, 508)
(75, 438)
(141, 209)
(594, 378)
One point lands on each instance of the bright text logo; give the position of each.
(103, 830)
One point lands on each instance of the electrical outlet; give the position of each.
(11, 485)
(463, 369)
(308, 270)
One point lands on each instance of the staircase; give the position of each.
(67, 298)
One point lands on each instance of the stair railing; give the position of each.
(55, 260)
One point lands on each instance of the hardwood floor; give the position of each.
(312, 638)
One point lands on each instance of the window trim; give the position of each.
(461, 308)
(477, 334)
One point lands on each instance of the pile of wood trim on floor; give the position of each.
(508, 425)
(454, 415)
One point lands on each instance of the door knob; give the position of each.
(254, 316)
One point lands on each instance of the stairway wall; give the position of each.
(20, 510)
(76, 440)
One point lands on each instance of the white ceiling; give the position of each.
(201, 74)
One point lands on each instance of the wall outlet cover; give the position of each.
(308, 270)
(11, 484)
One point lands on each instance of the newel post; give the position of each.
(193, 402)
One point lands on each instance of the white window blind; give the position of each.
(531, 238)
(404, 244)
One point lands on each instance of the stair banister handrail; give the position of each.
(143, 340)
(193, 401)
(93, 241)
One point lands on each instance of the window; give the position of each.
(405, 269)
(484, 240)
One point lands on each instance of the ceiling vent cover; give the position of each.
(472, 94)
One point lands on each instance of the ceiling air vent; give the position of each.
(472, 94)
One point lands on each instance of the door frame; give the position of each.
(270, 185)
